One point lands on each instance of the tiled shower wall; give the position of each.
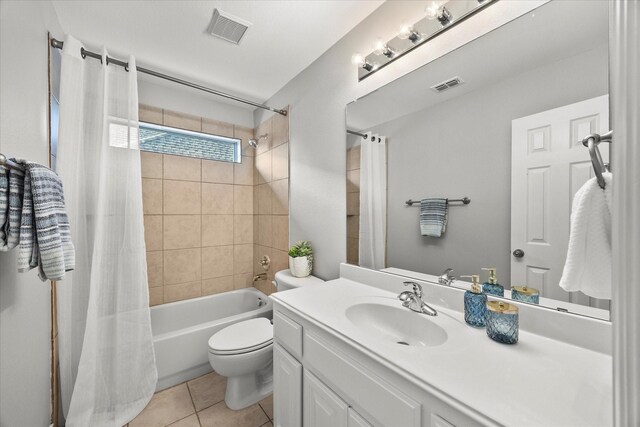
(271, 199)
(199, 222)
(353, 204)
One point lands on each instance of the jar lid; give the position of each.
(526, 291)
(502, 307)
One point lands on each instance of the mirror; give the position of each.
(537, 85)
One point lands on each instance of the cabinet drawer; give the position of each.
(380, 402)
(288, 334)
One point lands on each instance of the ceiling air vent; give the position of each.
(227, 27)
(448, 84)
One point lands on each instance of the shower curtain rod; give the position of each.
(353, 132)
(58, 45)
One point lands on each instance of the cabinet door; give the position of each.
(322, 407)
(287, 389)
(356, 420)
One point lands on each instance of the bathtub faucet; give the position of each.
(261, 276)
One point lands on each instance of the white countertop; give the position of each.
(537, 382)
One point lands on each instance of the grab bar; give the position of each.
(591, 142)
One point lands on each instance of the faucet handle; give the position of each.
(445, 278)
(417, 289)
(406, 297)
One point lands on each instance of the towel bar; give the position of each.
(4, 162)
(464, 200)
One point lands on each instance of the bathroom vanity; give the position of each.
(347, 353)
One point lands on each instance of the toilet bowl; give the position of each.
(243, 352)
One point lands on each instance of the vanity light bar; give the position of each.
(438, 17)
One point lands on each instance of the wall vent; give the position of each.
(448, 84)
(227, 27)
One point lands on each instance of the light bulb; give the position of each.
(361, 62)
(405, 31)
(379, 47)
(358, 59)
(431, 11)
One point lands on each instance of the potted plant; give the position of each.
(301, 259)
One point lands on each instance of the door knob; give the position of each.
(518, 253)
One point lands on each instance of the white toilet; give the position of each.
(243, 352)
(284, 281)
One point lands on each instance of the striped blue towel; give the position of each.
(45, 237)
(11, 191)
(4, 205)
(433, 217)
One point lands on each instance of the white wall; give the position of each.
(24, 299)
(317, 98)
(430, 151)
(171, 96)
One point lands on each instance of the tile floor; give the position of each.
(200, 403)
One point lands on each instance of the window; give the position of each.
(167, 140)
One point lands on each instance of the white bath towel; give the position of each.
(588, 264)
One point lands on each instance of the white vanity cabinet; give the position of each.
(322, 381)
(287, 380)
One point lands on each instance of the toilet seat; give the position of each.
(242, 337)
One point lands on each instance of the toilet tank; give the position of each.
(284, 281)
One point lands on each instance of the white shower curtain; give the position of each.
(373, 201)
(107, 364)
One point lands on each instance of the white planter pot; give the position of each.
(300, 266)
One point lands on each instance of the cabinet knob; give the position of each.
(518, 253)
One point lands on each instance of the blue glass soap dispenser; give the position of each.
(492, 287)
(475, 304)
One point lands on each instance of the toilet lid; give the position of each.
(242, 337)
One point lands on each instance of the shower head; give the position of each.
(254, 142)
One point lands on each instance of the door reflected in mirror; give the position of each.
(507, 136)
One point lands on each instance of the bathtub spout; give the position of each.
(261, 276)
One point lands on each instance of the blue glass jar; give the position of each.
(492, 287)
(475, 304)
(502, 322)
(525, 294)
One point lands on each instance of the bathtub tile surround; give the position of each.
(271, 199)
(200, 403)
(198, 215)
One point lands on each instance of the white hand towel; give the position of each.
(588, 264)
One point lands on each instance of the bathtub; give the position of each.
(182, 329)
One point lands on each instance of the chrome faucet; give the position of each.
(445, 278)
(413, 300)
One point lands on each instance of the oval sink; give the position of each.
(396, 324)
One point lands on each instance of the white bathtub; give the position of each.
(182, 329)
